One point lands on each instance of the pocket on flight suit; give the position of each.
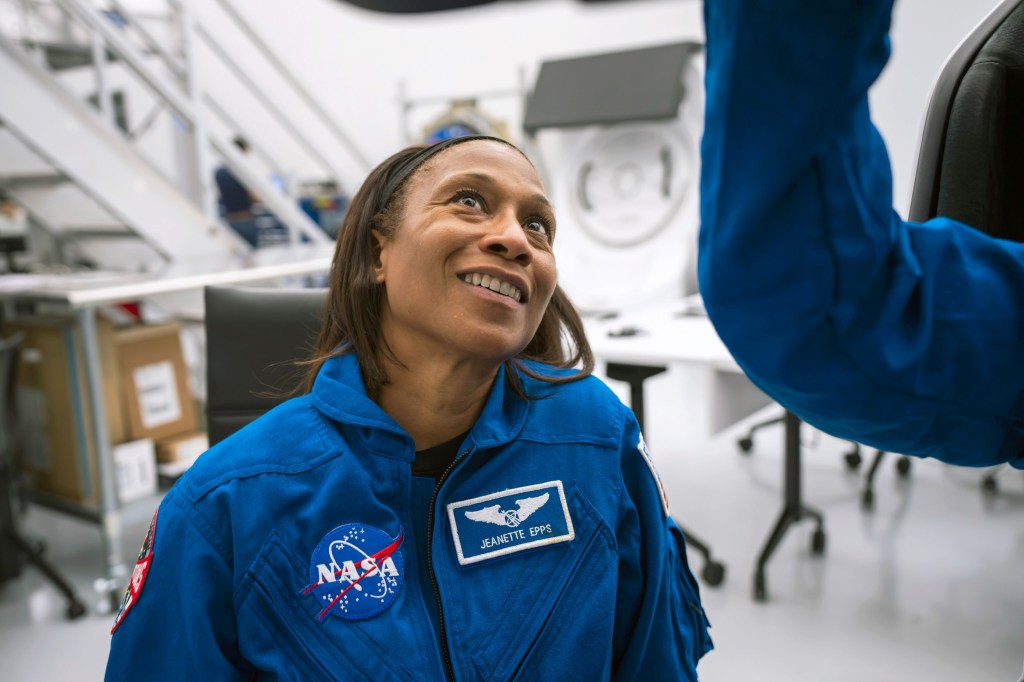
(542, 609)
(315, 650)
(691, 595)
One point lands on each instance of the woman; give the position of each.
(449, 500)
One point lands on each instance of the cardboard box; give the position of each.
(145, 394)
(55, 412)
(154, 382)
(177, 453)
(135, 469)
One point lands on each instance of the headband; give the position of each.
(400, 173)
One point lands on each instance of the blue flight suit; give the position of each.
(907, 337)
(300, 548)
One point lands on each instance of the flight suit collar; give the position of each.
(340, 394)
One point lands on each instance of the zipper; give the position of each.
(445, 654)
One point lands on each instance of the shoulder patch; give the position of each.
(641, 446)
(139, 574)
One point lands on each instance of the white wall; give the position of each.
(355, 60)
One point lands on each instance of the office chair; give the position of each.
(252, 335)
(852, 459)
(971, 161)
(15, 549)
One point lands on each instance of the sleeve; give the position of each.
(177, 621)
(902, 336)
(661, 631)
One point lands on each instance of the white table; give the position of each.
(678, 333)
(641, 343)
(82, 293)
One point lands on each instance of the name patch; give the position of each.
(510, 521)
(355, 572)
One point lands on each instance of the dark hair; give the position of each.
(352, 310)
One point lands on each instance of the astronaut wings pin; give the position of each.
(509, 517)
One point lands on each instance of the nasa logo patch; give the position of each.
(355, 572)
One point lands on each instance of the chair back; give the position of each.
(10, 349)
(253, 337)
(971, 161)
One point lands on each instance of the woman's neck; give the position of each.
(435, 403)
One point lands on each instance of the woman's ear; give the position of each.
(379, 256)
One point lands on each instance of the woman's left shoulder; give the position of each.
(583, 410)
(552, 383)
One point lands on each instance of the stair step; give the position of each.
(63, 56)
(97, 232)
(63, 204)
(13, 182)
(17, 159)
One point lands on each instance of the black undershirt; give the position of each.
(433, 461)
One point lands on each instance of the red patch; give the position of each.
(138, 579)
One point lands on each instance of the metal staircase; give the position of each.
(71, 155)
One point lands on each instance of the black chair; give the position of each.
(15, 550)
(253, 334)
(852, 458)
(971, 161)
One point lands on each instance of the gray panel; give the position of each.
(634, 85)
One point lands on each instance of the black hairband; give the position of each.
(401, 172)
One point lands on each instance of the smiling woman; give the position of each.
(453, 497)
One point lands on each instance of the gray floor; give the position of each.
(928, 586)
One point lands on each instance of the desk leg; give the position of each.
(793, 508)
(110, 524)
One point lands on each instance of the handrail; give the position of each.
(189, 106)
(284, 209)
(170, 60)
(233, 124)
(91, 17)
(258, 92)
(303, 94)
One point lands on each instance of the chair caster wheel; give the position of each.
(867, 499)
(853, 460)
(818, 542)
(76, 609)
(903, 467)
(746, 444)
(713, 573)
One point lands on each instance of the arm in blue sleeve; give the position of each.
(182, 624)
(907, 337)
(660, 625)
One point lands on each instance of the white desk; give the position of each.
(81, 294)
(642, 343)
(678, 333)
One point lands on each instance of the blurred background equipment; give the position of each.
(463, 117)
(618, 135)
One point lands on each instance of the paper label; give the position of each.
(157, 393)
